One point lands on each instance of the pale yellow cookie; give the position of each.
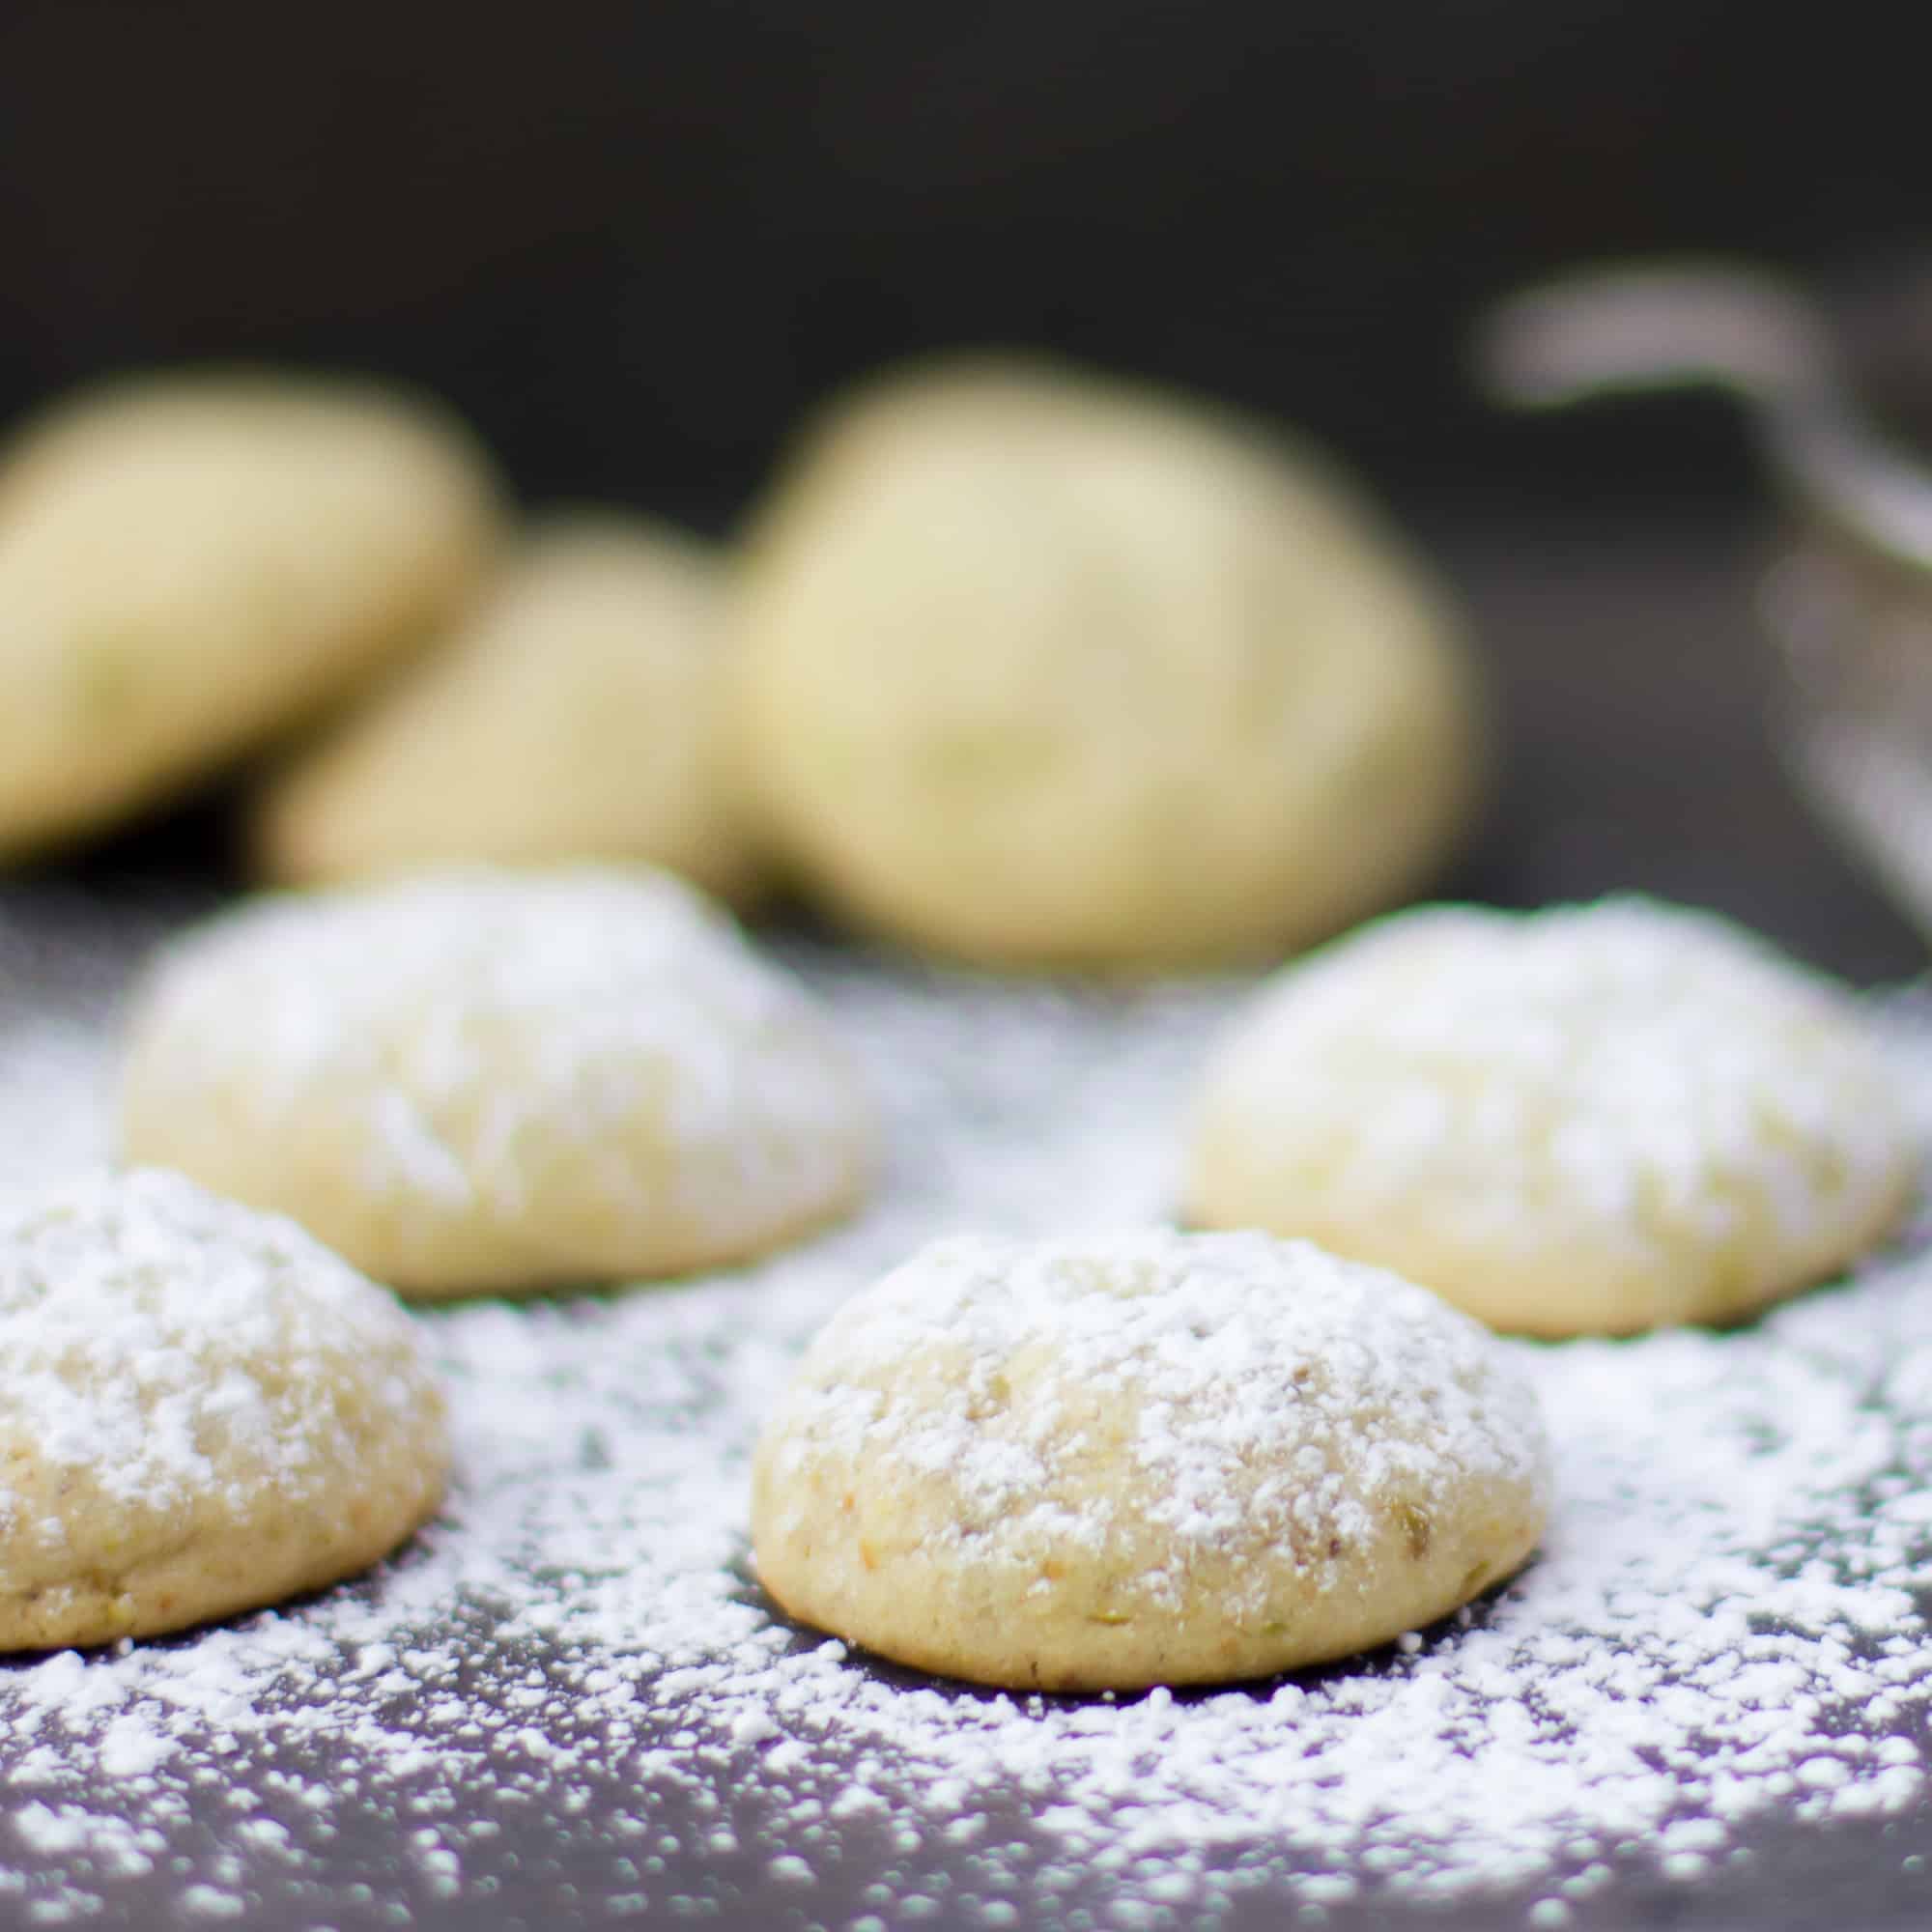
(574, 712)
(1143, 1458)
(1590, 1120)
(1042, 670)
(191, 562)
(201, 1411)
(489, 1081)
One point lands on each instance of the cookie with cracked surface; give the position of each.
(1142, 1458)
(201, 1411)
(1595, 1118)
(490, 1081)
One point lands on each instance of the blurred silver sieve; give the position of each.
(1848, 601)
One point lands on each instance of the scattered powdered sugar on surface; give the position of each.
(567, 1703)
(1276, 1404)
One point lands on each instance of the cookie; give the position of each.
(190, 564)
(486, 1080)
(201, 1411)
(1045, 671)
(1591, 1120)
(1138, 1459)
(574, 712)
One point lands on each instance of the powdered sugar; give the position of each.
(487, 1050)
(178, 1378)
(597, 965)
(1273, 1405)
(140, 1317)
(1640, 1082)
(570, 1680)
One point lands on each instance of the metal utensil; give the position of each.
(1848, 600)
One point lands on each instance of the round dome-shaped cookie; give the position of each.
(191, 562)
(496, 1081)
(1146, 1458)
(574, 712)
(201, 1411)
(1591, 1120)
(1041, 669)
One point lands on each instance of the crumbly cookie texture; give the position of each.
(201, 1411)
(494, 1081)
(1041, 669)
(1591, 1120)
(1147, 1457)
(575, 713)
(191, 562)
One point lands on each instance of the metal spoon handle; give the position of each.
(1662, 326)
(1668, 326)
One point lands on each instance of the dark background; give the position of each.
(631, 239)
(632, 242)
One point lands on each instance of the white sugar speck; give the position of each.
(207, 1902)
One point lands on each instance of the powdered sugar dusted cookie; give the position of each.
(201, 1411)
(191, 562)
(574, 714)
(485, 1080)
(1148, 1457)
(1593, 1118)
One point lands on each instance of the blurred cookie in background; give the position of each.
(191, 562)
(1044, 670)
(573, 713)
